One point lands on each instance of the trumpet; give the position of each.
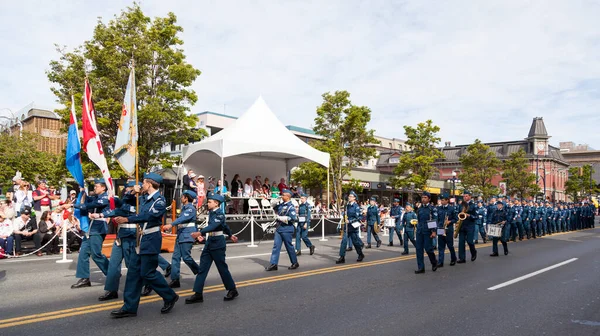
(446, 223)
(461, 217)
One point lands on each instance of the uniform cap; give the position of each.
(286, 191)
(216, 197)
(154, 177)
(352, 193)
(426, 193)
(99, 181)
(190, 193)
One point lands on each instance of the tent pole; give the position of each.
(326, 207)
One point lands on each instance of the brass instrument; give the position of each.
(446, 223)
(414, 223)
(461, 217)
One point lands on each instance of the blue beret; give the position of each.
(216, 197)
(286, 191)
(190, 193)
(99, 181)
(352, 193)
(409, 205)
(132, 183)
(303, 195)
(426, 193)
(373, 199)
(396, 200)
(467, 192)
(154, 177)
(444, 196)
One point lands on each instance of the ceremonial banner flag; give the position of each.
(73, 163)
(91, 141)
(127, 134)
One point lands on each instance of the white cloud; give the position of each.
(478, 69)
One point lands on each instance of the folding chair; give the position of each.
(253, 207)
(266, 207)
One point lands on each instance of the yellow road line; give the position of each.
(35, 318)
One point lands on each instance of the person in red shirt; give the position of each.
(42, 198)
(282, 185)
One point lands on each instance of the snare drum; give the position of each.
(390, 222)
(494, 230)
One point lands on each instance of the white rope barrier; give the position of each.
(34, 252)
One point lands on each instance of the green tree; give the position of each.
(344, 129)
(520, 181)
(416, 167)
(21, 154)
(312, 175)
(480, 166)
(163, 79)
(580, 183)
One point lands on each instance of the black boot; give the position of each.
(391, 244)
(440, 265)
(474, 256)
(147, 290)
(109, 295)
(404, 253)
(232, 294)
(368, 246)
(378, 243)
(271, 267)
(83, 282)
(294, 266)
(298, 253)
(312, 250)
(452, 263)
(175, 284)
(121, 313)
(495, 254)
(169, 305)
(434, 267)
(348, 249)
(421, 271)
(168, 271)
(341, 260)
(360, 257)
(197, 297)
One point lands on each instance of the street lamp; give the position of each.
(454, 180)
(14, 119)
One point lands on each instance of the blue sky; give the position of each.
(478, 69)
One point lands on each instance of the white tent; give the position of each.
(255, 144)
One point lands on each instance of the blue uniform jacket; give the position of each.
(499, 217)
(216, 222)
(481, 213)
(407, 219)
(396, 214)
(187, 216)
(426, 213)
(519, 214)
(452, 215)
(152, 210)
(96, 204)
(373, 215)
(286, 209)
(490, 213)
(123, 209)
(304, 213)
(511, 213)
(354, 214)
(471, 210)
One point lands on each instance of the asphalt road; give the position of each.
(381, 295)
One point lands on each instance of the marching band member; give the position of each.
(92, 241)
(500, 219)
(143, 266)
(396, 213)
(303, 226)
(214, 250)
(372, 220)
(426, 230)
(186, 226)
(467, 228)
(409, 222)
(286, 216)
(446, 218)
(353, 214)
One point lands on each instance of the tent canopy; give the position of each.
(255, 144)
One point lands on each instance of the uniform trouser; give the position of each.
(540, 228)
(182, 251)
(371, 230)
(446, 241)
(466, 236)
(398, 230)
(206, 259)
(520, 229)
(512, 232)
(353, 238)
(544, 227)
(533, 226)
(424, 245)
(286, 239)
(117, 255)
(91, 246)
(502, 238)
(527, 228)
(142, 270)
(563, 225)
(479, 230)
(163, 263)
(551, 228)
(7, 244)
(302, 234)
(409, 235)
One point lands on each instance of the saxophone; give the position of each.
(446, 223)
(461, 217)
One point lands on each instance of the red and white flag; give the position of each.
(91, 140)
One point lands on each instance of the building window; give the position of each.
(173, 147)
(394, 160)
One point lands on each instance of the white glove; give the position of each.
(283, 219)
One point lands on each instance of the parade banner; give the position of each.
(127, 135)
(73, 162)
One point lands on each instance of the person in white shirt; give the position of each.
(24, 228)
(6, 234)
(23, 197)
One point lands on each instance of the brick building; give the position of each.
(44, 123)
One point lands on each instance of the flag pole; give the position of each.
(137, 153)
